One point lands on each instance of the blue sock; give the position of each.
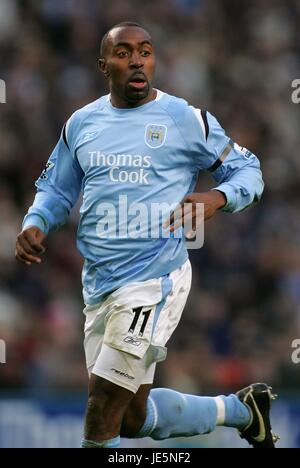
(173, 414)
(112, 443)
(237, 414)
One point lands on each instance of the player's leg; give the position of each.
(107, 404)
(136, 413)
(173, 414)
(164, 413)
(167, 413)
(116, 381)
(110, 388)
(170, 413)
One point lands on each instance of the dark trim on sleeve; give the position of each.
(222, 158)
(65, 137)
(215, 166)
(205, 120)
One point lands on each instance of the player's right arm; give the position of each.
(58, 189)
(29, 245)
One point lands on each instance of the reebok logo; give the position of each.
(122, 374)
(132, 341)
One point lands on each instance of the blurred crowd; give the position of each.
(236, 59)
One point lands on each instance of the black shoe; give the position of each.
(258, 398)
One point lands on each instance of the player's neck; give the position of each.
(120, 103)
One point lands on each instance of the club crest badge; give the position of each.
(155, 135)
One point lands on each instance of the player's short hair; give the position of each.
(124, 24)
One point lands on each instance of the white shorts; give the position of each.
(125, 335)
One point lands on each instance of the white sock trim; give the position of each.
(221, 411)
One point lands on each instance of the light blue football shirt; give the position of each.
(149, 154)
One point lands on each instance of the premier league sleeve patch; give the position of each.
(155, 135)
(245, 152)
(44, 175)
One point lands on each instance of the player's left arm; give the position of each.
(236, 170)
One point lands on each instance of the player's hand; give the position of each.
(29, 246)
(212, 201)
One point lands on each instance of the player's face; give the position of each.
(129, 65)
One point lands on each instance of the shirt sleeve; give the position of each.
(236, 170)
(58, 187)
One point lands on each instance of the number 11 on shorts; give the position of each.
(137, 315)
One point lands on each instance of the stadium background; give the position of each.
(236, 59)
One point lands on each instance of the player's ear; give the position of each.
(103, 67)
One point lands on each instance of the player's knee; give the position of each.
(104, 402)
(95, 404)
(98, 396)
